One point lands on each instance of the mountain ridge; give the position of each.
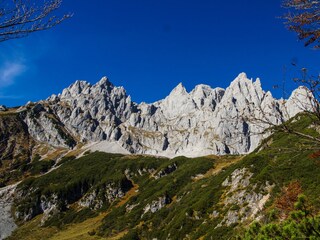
(200, 122)
(60, 178)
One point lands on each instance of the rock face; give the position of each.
(45, 126)
(242, 199)
(16, 143)
(156, 205)
(109, 193)
(164, 172)
(201, 122)
(3, 108)
(7, 224)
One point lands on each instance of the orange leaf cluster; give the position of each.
(285, 203)
(315, 155)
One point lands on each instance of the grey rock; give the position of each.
(3, 108)
(130, 207)
(49, 206)
(201, 122)
(105, 194)
(91, 200)
(7, 224)
(164, 172)
(156, 205)
(243, 200)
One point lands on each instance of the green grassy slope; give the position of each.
(196, 200)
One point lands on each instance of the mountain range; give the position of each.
(197, 123)
(90, 163)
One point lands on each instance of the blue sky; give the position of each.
(150, 46)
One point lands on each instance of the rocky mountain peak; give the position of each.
(301, 92)
(241, 77)
(205, 121)
(244, 90)
(201, 90)
(104, 82)
(242, 84)
(257, 83)
(206, 97)
(75, 89)
(104, 86)
(179, 90)
(301, 99)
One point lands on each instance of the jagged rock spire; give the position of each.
(200, 122)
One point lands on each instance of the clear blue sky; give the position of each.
(150, 46)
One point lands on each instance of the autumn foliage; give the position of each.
(285, 203)
(304, 19)
(315, 155)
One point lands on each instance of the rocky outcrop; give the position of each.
(15, 141)
(44, 126)
(106, 194)
(164, 172)
(7, 224)
(301, 99)
(92, 200)
(50, 206)
(30, 204)
(242, 200)
(201, 122)
(156, 205)
(93, 113)
(3, 108)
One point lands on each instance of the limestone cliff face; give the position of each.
(7, 224)
(44, 126)
(203, 121)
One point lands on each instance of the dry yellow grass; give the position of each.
(80, 231)
(32, 231)
(118, 236)
(132, 192)
(220, 164)
(9, 111)
(41, 149)
(45, 150)
(174, 200)
(55, 154)
(130, 157)
(76, 152)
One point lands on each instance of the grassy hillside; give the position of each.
(112, 196)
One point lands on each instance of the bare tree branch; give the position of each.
(18, 18)
(305, 100)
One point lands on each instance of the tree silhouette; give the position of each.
(18, 18)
